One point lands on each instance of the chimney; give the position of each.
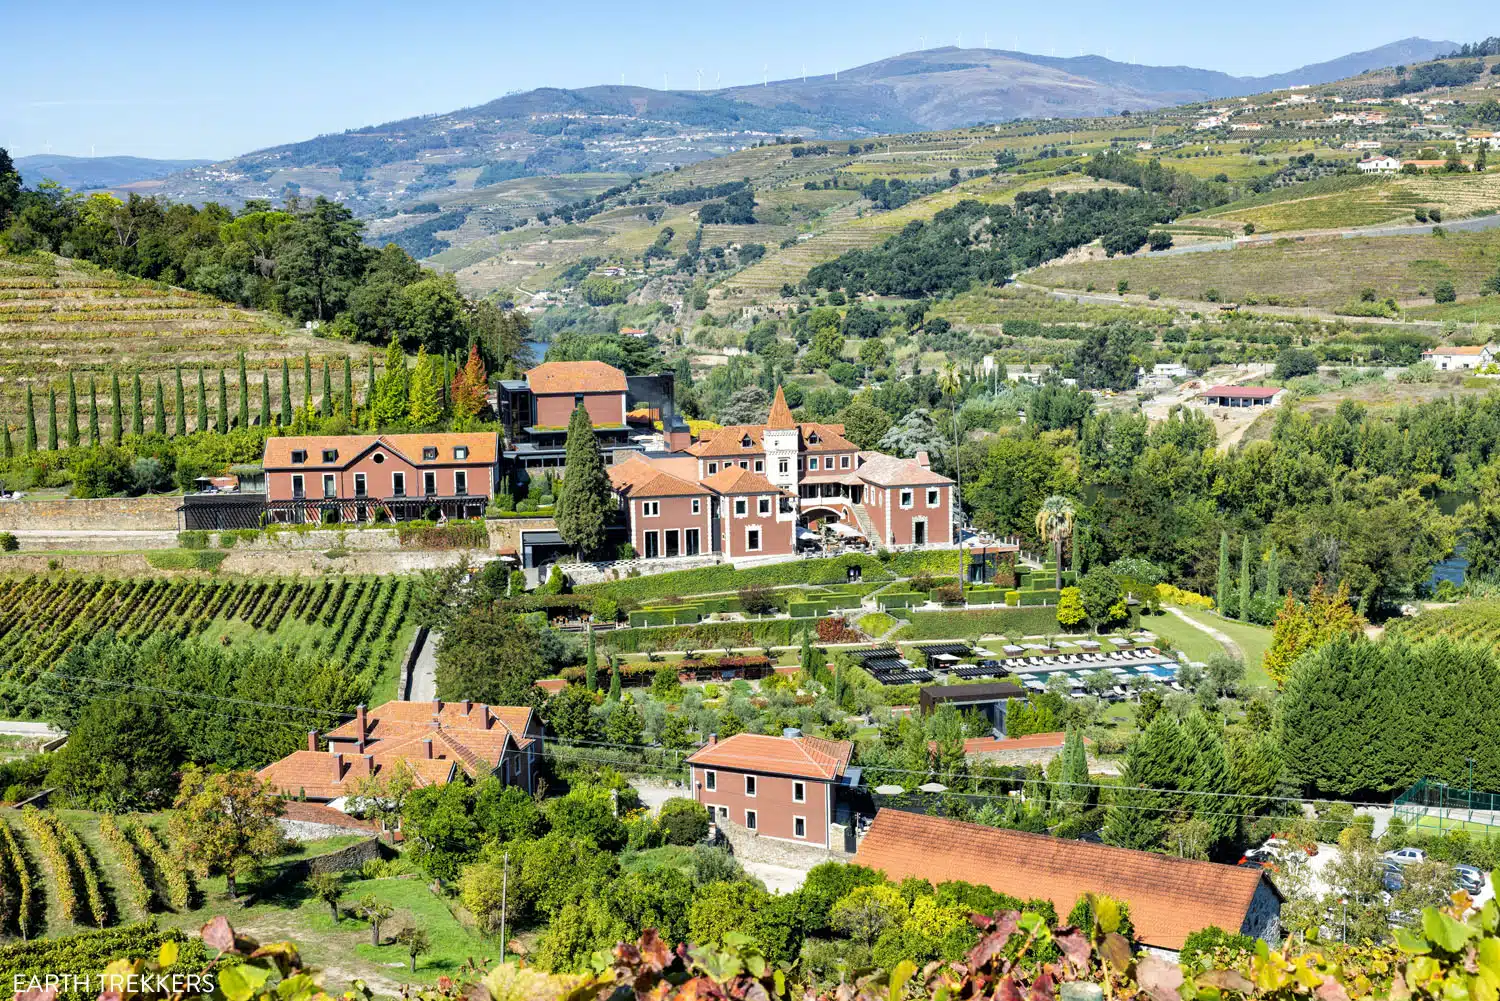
(437, 706)
(369, 764)
(713, 739)
(489, 718)
(359, 719)
(312, 740)
(467, 706)
(924, 460)
(427, 748)
(359, 745)
(338, 765)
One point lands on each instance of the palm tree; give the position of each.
(1054, 522)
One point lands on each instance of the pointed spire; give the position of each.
(781, 414)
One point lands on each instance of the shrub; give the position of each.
(1177, 596)
(1444, 292)
(8, 542)
(683, 822)
(186, 559)
(192, 540)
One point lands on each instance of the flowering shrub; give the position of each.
(837, 630)
(1173, 595)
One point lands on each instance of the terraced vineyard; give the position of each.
(59, 316)
(1476, 621)
(360, 622)
(1346, 201)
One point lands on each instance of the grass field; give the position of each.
(1252, 640)
(1325, 273)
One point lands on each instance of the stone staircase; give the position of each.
(867, 525)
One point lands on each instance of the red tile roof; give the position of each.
(484, 449)
(1169, 898)
(637, 477)
(734, 480)
(807, 757)
(1244, 392)
(318, 813)
(1458, 349)
(731, 440)
(892, 471)
(575, 377)
(781, 414)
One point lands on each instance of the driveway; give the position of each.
(424, 671)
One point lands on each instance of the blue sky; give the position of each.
(214, 79)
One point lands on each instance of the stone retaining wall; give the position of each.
(352, 857)
(154, 513)
(296, 563)
(321, 539)
(505, 533)
(751, 846)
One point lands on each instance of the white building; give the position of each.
(1450, 358)
(1380, 165)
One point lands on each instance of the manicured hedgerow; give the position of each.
(137, 887)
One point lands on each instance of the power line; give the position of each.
(94, 679)
(116, 700)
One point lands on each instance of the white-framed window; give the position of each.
(713, 467)
(760, 465)
(749, 785)
(690, 542)
(843, 462)
(653, 544)
(744, 463)
(783, 465)
(398, 484)
(752, 540)
(460, 482)
(460, 451)
(750, 820)
(907, 499)
(799, 827)
(697, 506)
(298, 490)
(360, 486)
(799, 792)
(932, 496)
(741, 507)
(429, 484)
(650, 509)
(330, 485)
(723, 812)
(711, 781)
(764, 505)
(812, 463)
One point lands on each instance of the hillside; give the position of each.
(87, 173)
(59, 316)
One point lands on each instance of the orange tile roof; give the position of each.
(781, 414)
(484, 449)
(734, 480)
(730, 440)
(638, 477)
(318, 813)
(575, 377)
(330, 774)
(1169, 898)
(892, 471)
(808, 757)
(1458, 349)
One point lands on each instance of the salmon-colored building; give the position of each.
(779, 787)
(356, 478)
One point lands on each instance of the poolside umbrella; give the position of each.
(889, 790)
(932, 787)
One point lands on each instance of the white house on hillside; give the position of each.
(1380, 165)
(1449, 358)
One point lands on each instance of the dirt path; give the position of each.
(1230, 646)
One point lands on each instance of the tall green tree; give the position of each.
(116, 409)
(370, 383)
(590, 663)
(265, 399)
(202, 401)
(137, 407)
(286, 394)
(614, 682)
(391, 390)
(348, 389)
(1247, 577)
(73, 436)
(179, 399)
(30, 421)
(51, 419)
(1210, 780)
(93, 412)
(1075, 792)
(223, 422)
(244, 393)
(1054, 523)
(327, 408)
(1146, 797)
(424, 406)
(583, 501)
(160, 416)
(1273, 573)
(307, 390)
(7, 447)
(1221, 587)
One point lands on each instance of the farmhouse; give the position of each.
(1452, 358)
(779, 787)
(1169, 898)
(435, 741)
(1379, 164)
(1242, 396)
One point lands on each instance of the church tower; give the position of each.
(782, 440)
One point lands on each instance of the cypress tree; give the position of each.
(307, 397)
(370, 383)
(1210, 774)
(286, 393)
(265, 400)
(1247, 578)
(73, 437)
(161, 409)
(1273, 573)
(116, 409)
(244, 394)
(202, 402)
(93, 412)
(51, 419)
(584, 501)
(180, 417)
(1221, 591)
(30, 421)
(137, 412)
(327, 408)
(590, 663)
(223, 424)
(614, 682)
(1075, 792)
(348, 389)
(805, 655)
(1158, 764)
(7, 448)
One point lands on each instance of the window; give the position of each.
(672, 543)
(746, 442)
(932, 497)
(299, 455)
(697, 506)
(460, 481)
(713, 467)
(906, 498)
(750, 820)
(460, 451)
(653, 545)
(398, 484)
(650, 509)
(740, 510)
(843, 462)
(744, 464)
(711, 781)
(297, 490)
(799, 827)
(330, 455)
(813, 438)
(690, 542)
(799, 792)
(378, 458)
(330, 485)
(723, 813)
(783, 466)
(359, 485)
(812, 463)
(577, 400)
(760, 465)
(429, 483)
(764, 505)
(749, 785)
(429, 453)
(752, 539)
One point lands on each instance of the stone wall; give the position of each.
(64, 540)
(352, 857)
(320, 539)
(111, 564)
(597, 573)
(505, 533)
(751, 846)
(137, 514)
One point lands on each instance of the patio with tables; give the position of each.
(1028, 663)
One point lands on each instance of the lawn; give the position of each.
(1252, 640)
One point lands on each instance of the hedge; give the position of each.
(709, 635)
(823, 604)
(547, 603)
(675, 615)
(900, 599)
(1012, 623)
(931, 561)
(186, 559)
(1032, 598)
(453, 535)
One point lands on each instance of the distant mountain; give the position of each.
(86, 173)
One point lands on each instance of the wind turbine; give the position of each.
(924, 42)
(664, 81)
(804, 72)
(960, 42)
(763, 77)
(700, 79)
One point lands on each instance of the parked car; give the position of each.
(1393, 880)
(1468, 877)
(1282, 846)
(1406, 856)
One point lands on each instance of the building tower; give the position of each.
(782, 440)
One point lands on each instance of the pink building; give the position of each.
(779, 787)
